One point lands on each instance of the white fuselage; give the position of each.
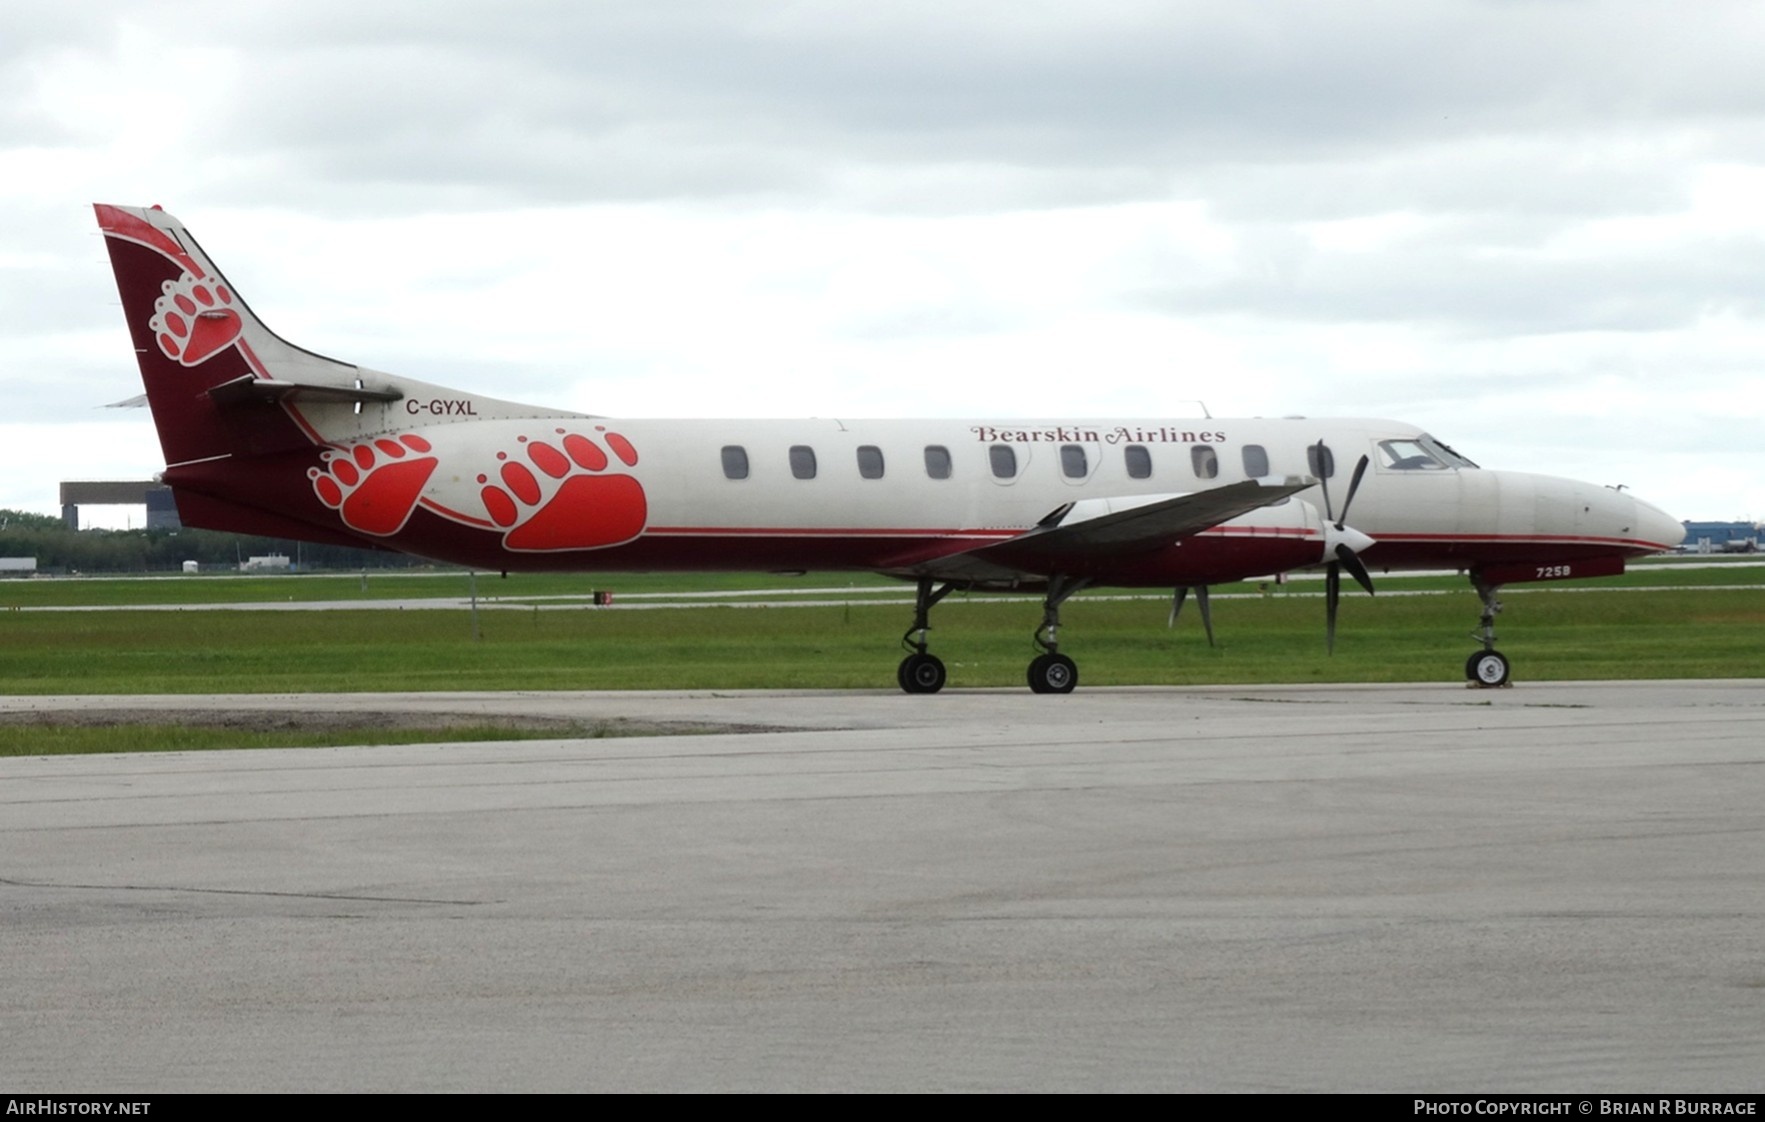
(896, 495)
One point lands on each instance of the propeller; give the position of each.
(1181, 594)
(1342, 542)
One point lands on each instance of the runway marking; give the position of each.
(870, 597)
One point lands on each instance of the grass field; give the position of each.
(1658, 621)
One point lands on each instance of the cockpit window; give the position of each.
(1407, 455)
(1422, 453)
(1446, 452)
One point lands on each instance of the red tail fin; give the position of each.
(192, 333)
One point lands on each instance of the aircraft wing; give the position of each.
(1147, 521)
(1093, 530)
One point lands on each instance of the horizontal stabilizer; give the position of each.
(249, 389)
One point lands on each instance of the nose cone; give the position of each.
(1655, 528)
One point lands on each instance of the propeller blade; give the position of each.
(1355, 566)
(1354, 484)
(1178, 595)
(1345, 544)
(1318, 452)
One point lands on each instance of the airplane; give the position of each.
(264, 437)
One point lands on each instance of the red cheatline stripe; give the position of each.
(910, 532)
(826, 532)
(1259, 532)
(1540, 539)
(457, 515)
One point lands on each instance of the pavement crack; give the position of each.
(185, 889)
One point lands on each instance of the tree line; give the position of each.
(60, 550)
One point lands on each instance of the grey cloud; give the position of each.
(1462, 290)
(589, 101)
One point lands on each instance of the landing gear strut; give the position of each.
(1180, 594)
(921, 671)
(1051, 671)
(1488, 668)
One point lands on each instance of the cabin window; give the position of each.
(1321, 461)
(1074, 464)
(735, 462)
(1003, 458)
(1139, 461)
(1256, 461)
(802, 461)
(937, 461)
(1205, 461)
(870, 461)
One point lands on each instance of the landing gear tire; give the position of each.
(1487, 669)
(921, 673)
(1053, 673)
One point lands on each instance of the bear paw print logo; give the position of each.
(375, 484)
(192, 319)
(554, 494)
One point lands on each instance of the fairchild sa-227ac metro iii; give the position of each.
(261, 436)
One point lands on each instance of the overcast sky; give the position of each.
(1535, 228)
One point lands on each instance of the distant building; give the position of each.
(17, 566)
(274, 562)
(162, 509)
(1720, 537)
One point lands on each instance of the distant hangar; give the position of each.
(162, 511)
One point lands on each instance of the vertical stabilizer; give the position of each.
(193, 332)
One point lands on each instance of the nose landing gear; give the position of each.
(1488, 668)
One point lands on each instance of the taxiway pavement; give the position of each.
(1557, 887)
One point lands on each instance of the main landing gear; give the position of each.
(921, 671)
(1488, 668)
(1049, 672)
